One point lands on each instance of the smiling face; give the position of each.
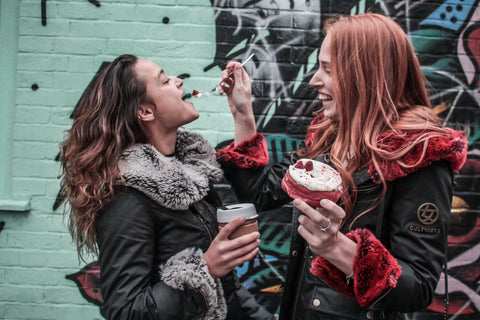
(164, 97)
(322, 80)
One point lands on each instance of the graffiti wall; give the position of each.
(284, 103)
(285, 36)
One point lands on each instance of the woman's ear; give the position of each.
(146, 113)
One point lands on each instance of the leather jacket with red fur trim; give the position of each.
(412, 235)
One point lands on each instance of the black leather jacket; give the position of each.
(152, 235)
(135, 236)
(419, 248)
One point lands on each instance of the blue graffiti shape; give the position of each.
(451, 15)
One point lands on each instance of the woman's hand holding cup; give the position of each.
(224, 254)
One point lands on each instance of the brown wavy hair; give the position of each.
(378, 86)
(105, 124)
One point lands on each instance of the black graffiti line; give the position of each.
(95, 3)
(43, 6)
(44, 12)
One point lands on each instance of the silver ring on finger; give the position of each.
(328, 226)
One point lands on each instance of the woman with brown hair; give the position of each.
(379, 252)
(140, 195)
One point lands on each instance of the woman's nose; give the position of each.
(179, 82)
(316, 80)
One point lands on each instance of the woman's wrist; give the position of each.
(244, 127)
(343, 255)
(207, 262)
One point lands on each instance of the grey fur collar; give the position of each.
(173, 182)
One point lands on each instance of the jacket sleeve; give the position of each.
(251, 180)
(130, 284)
(400, 274)
(417, 221)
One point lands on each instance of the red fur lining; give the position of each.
(331, 275)
(452, 149)
(311, 134)
(375, 269)
(250, 154)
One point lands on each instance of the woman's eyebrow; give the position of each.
(160, 73)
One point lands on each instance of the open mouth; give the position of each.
(186, 96)
(324, 97)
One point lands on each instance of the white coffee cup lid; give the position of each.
(234, 211)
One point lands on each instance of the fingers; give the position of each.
(231, 253)
(304, 207)
(315, 218)
(243, 246)
(232, 73)
(245, 240)
(230, 67)
(320, 226)
(247, 257)
(244, 249)
(335, 210)
(224, 254)
(229, 228)
(240, 75)
(328, 209)
(306, 234)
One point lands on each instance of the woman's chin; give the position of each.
(331, 112)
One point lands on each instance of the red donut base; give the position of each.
(312, 198)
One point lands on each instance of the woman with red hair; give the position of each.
(379, 252)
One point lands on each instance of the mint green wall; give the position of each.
(36, 252)
(59, 52)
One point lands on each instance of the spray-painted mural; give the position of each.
(285, 36)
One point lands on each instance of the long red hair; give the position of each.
(378, 86)
(105, 124)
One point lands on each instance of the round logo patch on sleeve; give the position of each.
(427, 213)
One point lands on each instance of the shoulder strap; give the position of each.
(445, 271)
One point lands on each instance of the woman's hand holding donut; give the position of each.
(224, 254)
(320, 228)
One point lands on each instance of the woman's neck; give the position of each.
(164, 143)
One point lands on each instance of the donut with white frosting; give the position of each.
(312, 181)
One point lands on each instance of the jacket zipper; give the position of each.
(206, 227)
(380, 298)
(299, 287)
(211, 239)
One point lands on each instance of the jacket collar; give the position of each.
(451, 148)
(172, 182)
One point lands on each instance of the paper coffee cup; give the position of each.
(234, 211)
